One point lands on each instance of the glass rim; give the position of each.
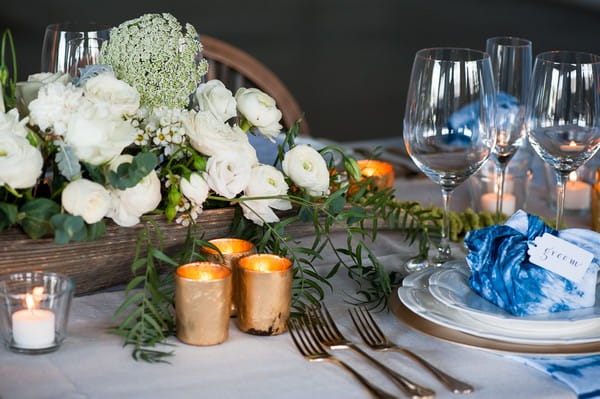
(74, 27)
(451, 54)
(30, 276)
(571, 57)
(513, 41)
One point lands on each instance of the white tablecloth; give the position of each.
(93, 364)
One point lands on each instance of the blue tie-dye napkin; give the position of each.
(581, 374)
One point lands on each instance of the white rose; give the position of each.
(106, 90)
(20, 162)
(215, 98)
(195, 189)
(265, 181)
(212, 137)
(127, 206)
(228, 173)
(26, 92)
(10, 124)
(87, 199)
(54, 106)
(260, 110)
(97, 138)
(307, 169)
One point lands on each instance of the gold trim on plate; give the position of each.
(427, 327)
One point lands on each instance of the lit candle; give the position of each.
(265, 294)
(33, 328)
(577, 193)
(232, 249)
(572, 147)
(202, 303)
(381, 173)
(488, 202)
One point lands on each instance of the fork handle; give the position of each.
(453, 384)
(373, 390)
(414, 390)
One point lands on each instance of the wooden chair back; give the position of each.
(236, 68)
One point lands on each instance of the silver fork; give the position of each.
(376, 340)
(310, 348)
(326, 331)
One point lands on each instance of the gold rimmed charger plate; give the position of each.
(427, 327)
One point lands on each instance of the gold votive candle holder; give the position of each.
(202, 303)
(232, 249)
(265, 294)
(381, 175)
(596, 202)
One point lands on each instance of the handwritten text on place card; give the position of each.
(560, 257)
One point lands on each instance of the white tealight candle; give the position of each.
(577, 193)
(33, 328)
(488, 203)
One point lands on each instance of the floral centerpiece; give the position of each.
(140, 134)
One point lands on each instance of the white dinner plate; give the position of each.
(451, 287)
(415, 295)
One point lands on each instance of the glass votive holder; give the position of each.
(484, 190)
(578, 189)
(232, 249)
(202, 303)
(265, 294)
(34, 311)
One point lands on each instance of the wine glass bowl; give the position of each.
(563, 114)
(448, 120)
(82, 52)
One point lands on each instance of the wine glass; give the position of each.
(448, 122)
(563, 113)
(82, 52)
(56, 42)
(511, 65)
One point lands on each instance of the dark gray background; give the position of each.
(346, 61)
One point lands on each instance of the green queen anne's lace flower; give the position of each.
(158, 57)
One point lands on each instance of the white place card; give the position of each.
(560, 257)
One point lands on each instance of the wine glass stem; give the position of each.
(444, 253)
(500, 177)
(561, 179)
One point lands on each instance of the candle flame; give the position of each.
(30, 302)
(573, 175)
(38, 293)
(572, 144)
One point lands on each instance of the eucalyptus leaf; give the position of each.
(68, 228)
(36, 214)
(8, 215)
(67, 161)
(130, 174)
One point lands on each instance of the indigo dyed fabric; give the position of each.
(501, 272)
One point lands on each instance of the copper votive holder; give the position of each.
(232, 249)
(202, 303)
(265, 294)
(381, 173)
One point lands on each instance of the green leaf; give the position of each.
(130, 174)
(95, 173)
(305, 214)
(8, 215)
(36, 214)
(67, 161)
(96, 230)
(68, 228)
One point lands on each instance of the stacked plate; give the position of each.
(444, 297)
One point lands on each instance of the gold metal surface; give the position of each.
(381, 173)
(265, 294)
(426, 327)
(202, 303)
(232, 249)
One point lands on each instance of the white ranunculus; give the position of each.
(106, 90)
(96, 137)
(127, 206)
(307, 169)
(265, 181)
(228, 173)
(260, 110)
(54, 106)
(211, 137)
(87, 199)
(20, 162)
(195, 189)
(215, 98)
(10, 124)
(26, 92)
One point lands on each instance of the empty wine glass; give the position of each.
(448, 121)
(511, 65)
(56, 42)
(82, 52)
(563, 113)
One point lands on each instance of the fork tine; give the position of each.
(373, 323)
(330, 321)
(310, 334)
(365, 338)
(309, 343)
(292, 326)
(318, 325)
(375, 339)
